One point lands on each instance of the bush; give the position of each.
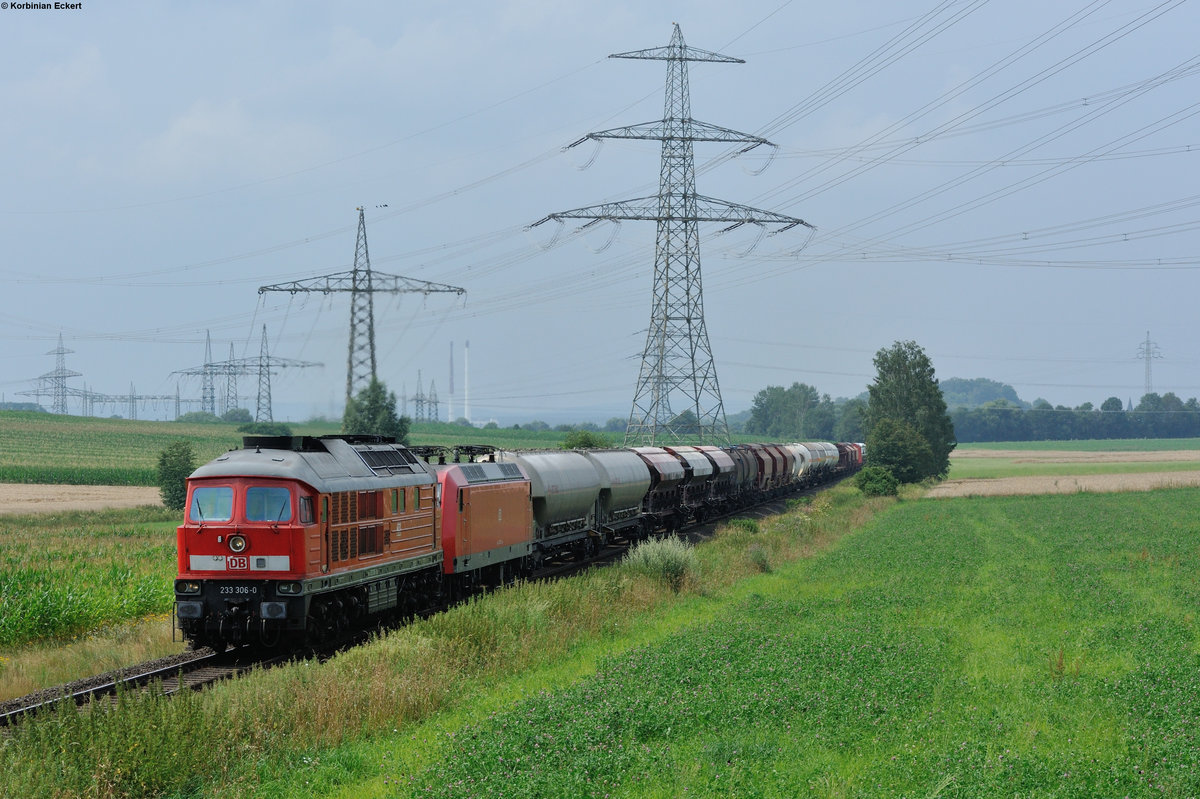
(876, 481)
(585, 439)
(668, 560)
(175, 463)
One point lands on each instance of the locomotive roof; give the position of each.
(328, 463)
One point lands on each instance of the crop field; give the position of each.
(64, 574)
(74, 450)
(1022, 646)
(1000, 463)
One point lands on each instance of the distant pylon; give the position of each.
(1148, 351)
(57, 380)
(434, 415)
(262, 409)
(208, 389)
(231, 389)
(362, 284)
(419, 401)
(677, 395)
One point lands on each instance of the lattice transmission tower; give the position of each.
(363, 285)
(677, 397)
(56, 381)
(1148, 351)
(263, 366)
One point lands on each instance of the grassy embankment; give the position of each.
(978, 647)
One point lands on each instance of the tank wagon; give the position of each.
(293, 540)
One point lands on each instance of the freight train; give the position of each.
(292, 541)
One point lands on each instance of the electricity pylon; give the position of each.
(263, 366)
(1148, 351)
(677, 396)
(362, 284)
(56, 381)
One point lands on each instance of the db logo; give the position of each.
(237, 562)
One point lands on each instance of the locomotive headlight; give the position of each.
(237, 543)
(187, 587)
(288, 588)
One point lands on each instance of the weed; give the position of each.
(671, 561)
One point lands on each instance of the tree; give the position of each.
(585, 439)
(960, 393)
(373, 412)
(237, 416)
(1112, 405)
(198, 417)
(897, 446)
(906, 390)
(779, 412)
(850, 425)
(175, 463)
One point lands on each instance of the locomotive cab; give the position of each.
(242, 557)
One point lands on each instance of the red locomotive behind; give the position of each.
(292, 541)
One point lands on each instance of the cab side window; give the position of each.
(306, 510)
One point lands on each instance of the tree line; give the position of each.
(1155, 416)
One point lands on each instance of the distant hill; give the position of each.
(963, 393)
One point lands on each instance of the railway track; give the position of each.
(191, 670)
(194, 670)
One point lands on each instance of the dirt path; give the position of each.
(25, 498)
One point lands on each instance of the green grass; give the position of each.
(64, 574)
(1004, 647)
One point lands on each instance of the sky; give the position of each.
(1010, 185)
